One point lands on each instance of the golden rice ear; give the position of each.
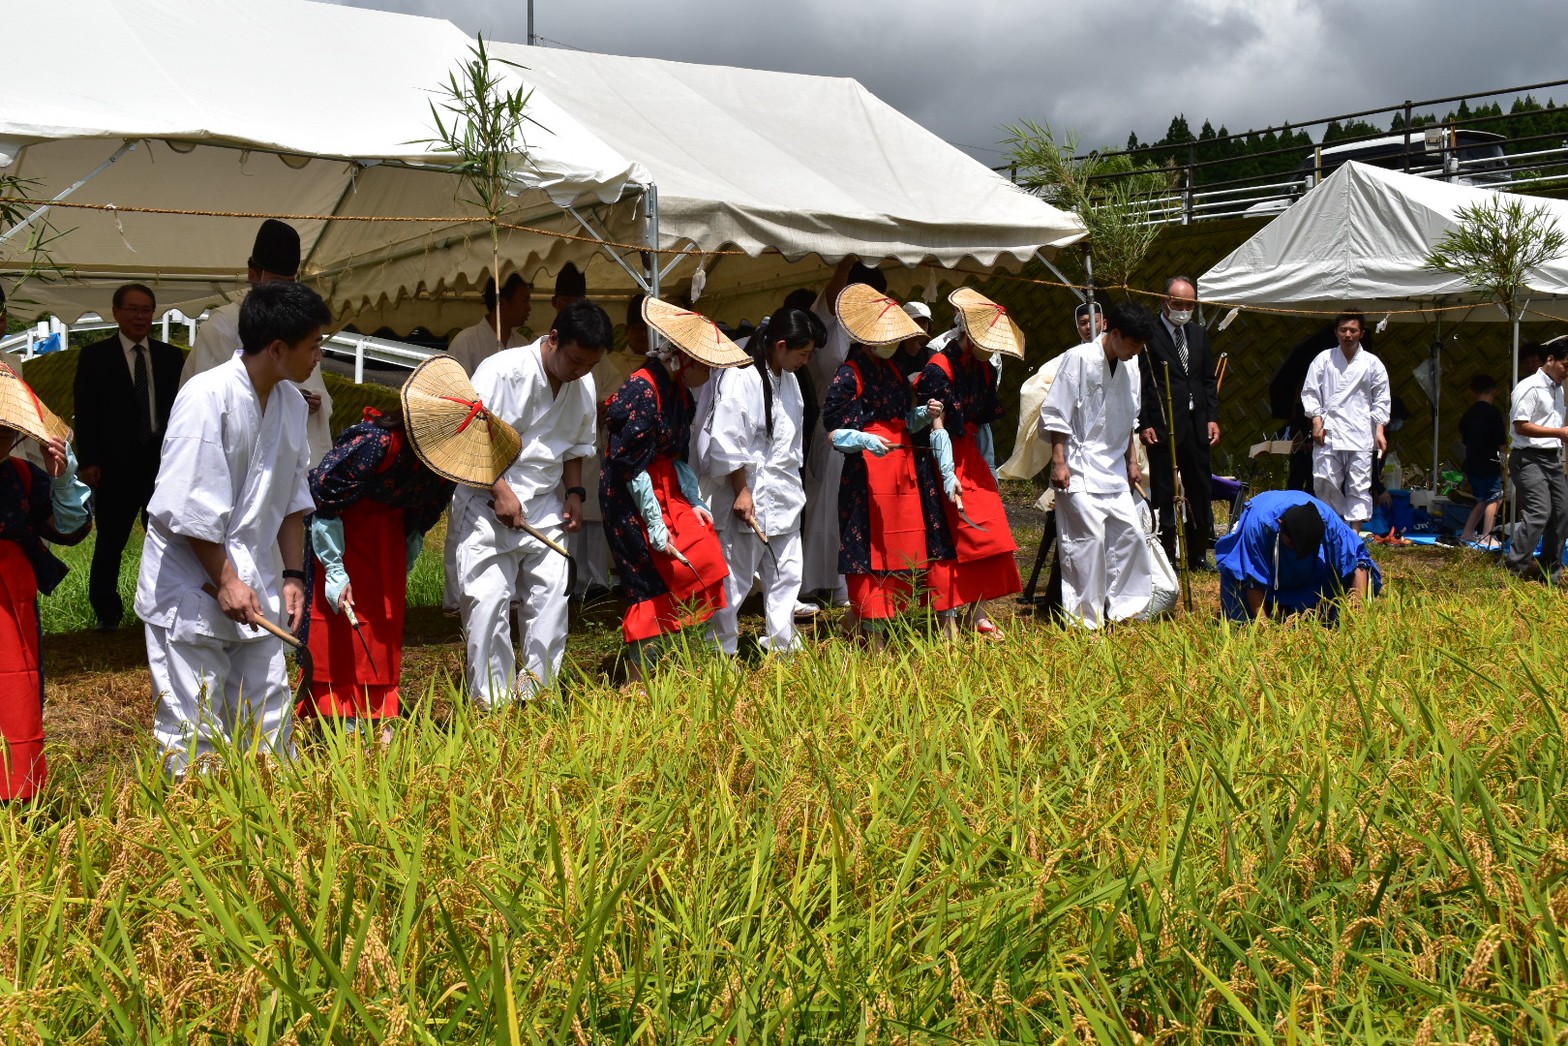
(451, 430)
(873, 318)
(694, 334)
(986, 323)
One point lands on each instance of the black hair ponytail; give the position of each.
(797, 328)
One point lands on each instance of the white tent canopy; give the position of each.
(287, 107)
(1359, 240)
(788, 173)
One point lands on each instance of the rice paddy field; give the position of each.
(1169, 833)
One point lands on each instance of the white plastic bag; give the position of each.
(1166, 586)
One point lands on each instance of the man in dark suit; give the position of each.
(1180, 349)
(125, 386)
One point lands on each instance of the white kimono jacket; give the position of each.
(471, 346)
(515, 388)
(1098, 409)
(230, 474)
(1351, 396)
(738, 438)
(218, 340)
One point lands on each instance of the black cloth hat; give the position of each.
(1304, 524)
(276, 250)
(570, 282)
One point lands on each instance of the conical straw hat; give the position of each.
(987, 323)
(872, 318)
(694, 334)
(22, 410)
(451, 430)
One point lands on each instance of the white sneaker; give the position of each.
(806, 611)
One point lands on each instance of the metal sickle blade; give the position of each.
(965, 517)
(681, 556)
(364, 643)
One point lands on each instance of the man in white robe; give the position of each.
(759, 479)
(274, 258)
(471, 346)
(545, 391)
(1346, 395)
(1090, 416)
(225, 536)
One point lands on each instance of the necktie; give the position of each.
(143, 410)
(1181, 347)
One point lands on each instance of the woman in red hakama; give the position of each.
(35, 506)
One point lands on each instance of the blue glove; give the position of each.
(68, 497)
(853, 441)
(942, 448)
(918, 419)
(326, 540)
(687, 477)
(413, 545)
(641, 488)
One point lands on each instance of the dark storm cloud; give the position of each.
(965, 69)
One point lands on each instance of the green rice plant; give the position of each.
(1177, 832)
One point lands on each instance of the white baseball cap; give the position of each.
(917, 310)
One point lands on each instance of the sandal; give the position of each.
(987, 628)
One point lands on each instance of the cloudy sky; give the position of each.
(964, 68)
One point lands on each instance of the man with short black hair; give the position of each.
(274, 258)
(506, 311)
(1540, 424)
(1179, 380)
(545, 391)
(1090, 416)
(125, 386)
(1346, 396)
(231, 498)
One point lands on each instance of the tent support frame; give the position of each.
(124, 148)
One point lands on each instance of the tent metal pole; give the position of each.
(124, 148)
(1058, 272)
(653, 239)
(635, 273)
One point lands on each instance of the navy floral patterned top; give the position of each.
(356, 468)
(886, 396)
(25, 515)
(970, 400)
(645, 420)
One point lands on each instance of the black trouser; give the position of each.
(1543, 512)
(116, 502)
(1192, 458)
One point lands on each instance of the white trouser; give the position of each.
(747, 556)
(819, 522)
(1343, 480)
(490, 579)
(207, 690)
(592, 553)
(1105, 563)
(449, 562)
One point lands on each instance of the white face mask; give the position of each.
(1179, 317)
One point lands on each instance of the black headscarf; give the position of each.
(1304, 526)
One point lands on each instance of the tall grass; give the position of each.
(1175, 833)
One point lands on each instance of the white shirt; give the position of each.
(555, 426)
(129, 348)
(471, 346)
(1032, 447)
(1351, 396)
(218, 341)
(1539, 400)
(738, 438)
(230, 474)
(1097, 408)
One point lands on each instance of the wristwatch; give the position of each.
(581, 492)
